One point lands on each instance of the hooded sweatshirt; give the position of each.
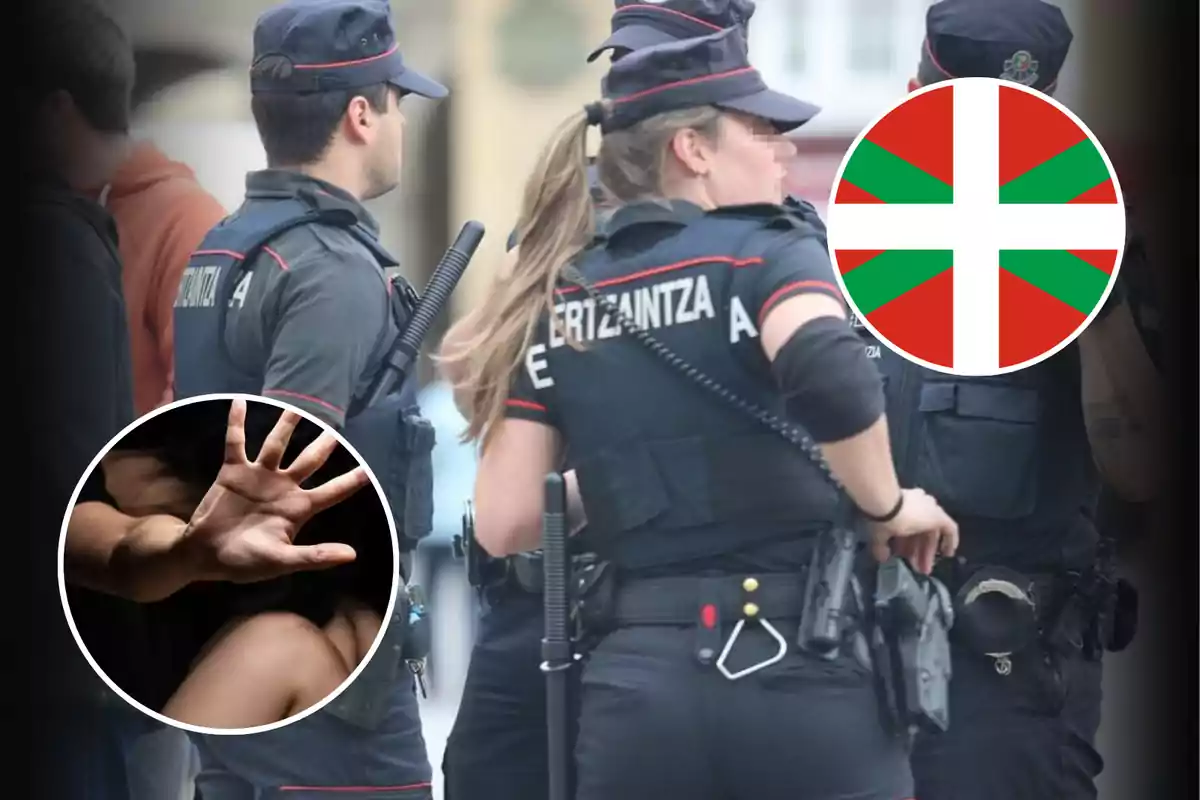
(162, 215)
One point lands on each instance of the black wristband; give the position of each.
(891, 515)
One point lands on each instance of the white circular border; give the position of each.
(937, 367)
(387, 510)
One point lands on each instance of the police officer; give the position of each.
(497, 747)
(288, 298)
(1014, 458)
(703, 519)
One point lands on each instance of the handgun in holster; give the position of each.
(825, 613)
(913, 615)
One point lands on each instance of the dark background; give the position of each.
(1150, 68)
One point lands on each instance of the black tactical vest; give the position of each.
(667, 472)
(391, 436)
(1007, 456)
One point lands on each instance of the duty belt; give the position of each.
(708, 602)
(684, 600)
(1000, 612)
(525, 570)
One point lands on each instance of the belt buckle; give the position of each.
(750, 612)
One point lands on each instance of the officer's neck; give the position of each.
(335, 172)
(689, 191)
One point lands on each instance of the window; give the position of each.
(796, 31)
(872, 26)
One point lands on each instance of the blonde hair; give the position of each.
(557, 222)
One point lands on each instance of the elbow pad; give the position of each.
(832, 388)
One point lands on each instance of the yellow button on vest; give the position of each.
(750, 584)
(750, 610)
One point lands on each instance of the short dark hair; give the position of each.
(296, 128)
(79, 48)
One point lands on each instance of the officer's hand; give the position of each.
(919, 532)
(242, 531)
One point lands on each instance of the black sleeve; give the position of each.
(797, 264)
(332, 313)
(84, 384)
(528, 393)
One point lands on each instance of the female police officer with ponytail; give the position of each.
(690, 504)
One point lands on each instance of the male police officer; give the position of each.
(1011, 458)
(288, 298)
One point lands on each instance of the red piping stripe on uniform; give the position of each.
(646, 273)
(661, 10)
(525, 404)
(686, 82)
(353, 63)
(783, 290)
(309, 398)
(425, 785)
(241, 256)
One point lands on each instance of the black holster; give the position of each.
(912, 616)
(827, 614)
(594, 600)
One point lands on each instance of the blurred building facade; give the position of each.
(516, 69)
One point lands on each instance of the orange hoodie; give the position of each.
(162, 215)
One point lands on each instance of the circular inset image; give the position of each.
(976, 227)
(227, 564)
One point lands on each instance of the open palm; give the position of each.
(244, 528)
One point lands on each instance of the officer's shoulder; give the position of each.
(308, 246)
(791, 215)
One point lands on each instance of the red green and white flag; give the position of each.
(976, 227)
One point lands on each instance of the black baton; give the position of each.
(437, 293)
(556, 646)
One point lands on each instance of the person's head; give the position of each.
(1024, 41)
(689, 120)
(78, 92)
(638, 24)
(327, 81)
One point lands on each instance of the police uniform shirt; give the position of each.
(707, 307)
(313, 312)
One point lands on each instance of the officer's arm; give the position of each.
(834, 390)
(1123, 405)
(332, 311)
(509, 486)
(524, 448)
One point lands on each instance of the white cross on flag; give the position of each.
(976, 227)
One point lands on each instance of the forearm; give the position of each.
(863, 464)
(140, 559)
(1115, 343)
(1123, 405)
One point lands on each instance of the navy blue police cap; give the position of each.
(637, 24)
(334, 45)
(710, 70)
(1025, 41)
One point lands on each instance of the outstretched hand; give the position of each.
(243, 529)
